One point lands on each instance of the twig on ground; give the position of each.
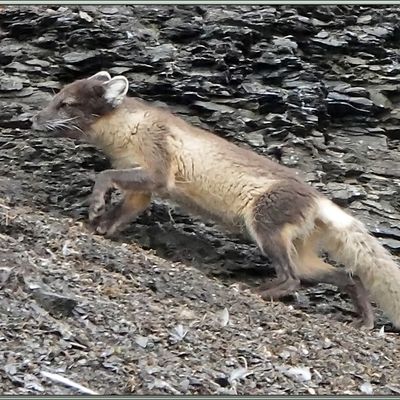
(67, 382)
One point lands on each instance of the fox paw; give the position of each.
(97, 206)
(106, 226)
(363, 324)
(111, 221)
(277, 289)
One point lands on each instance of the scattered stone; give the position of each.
(54, 303)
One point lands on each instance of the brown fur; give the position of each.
(155, 152)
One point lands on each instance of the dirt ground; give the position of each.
(158, 309)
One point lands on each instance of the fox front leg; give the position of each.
(118, 217)
(128, 180)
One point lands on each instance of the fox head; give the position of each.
(80, 104)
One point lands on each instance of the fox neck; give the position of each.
(115, 134)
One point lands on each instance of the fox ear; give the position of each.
(115, 90)
(102, 76)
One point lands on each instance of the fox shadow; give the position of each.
(231, 259)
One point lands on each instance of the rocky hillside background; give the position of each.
(158, 309)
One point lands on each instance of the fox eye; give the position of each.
(68, 103)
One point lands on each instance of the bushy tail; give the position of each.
(349, 243)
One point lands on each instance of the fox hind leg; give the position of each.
(312, 268)
(272, 224)
(304, 264)
(276, 247)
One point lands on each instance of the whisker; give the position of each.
(78, 129)
(66, 119)
(64, 124)
(61, 125)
